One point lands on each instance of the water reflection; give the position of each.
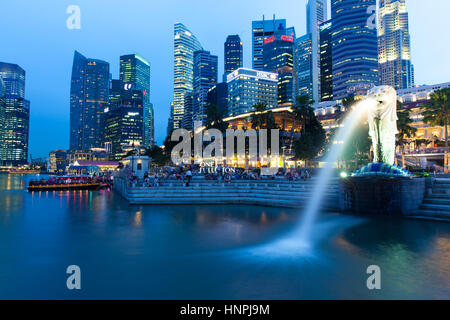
(208, 252)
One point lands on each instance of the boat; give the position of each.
(66, 183)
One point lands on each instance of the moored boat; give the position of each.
(66, 183)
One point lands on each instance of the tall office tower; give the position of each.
(115, 91)
(247, 87)
(185, 44)
(14, 115)
(2, 113)
(326, 62)
(218, 95)
(89, 96)
(234, 55)
(261, 30)
(124, 123)
(355, 48)
(135, 74)
(187, 122)
(316, 13)
(303, 58)
(205, 77)
(279, 59)
(394, 48)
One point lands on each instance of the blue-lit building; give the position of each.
(124, 123)
(14, 116)
(135, 75)
(279, 58)
(89, 96)
(304, 66)
(205, 77)
(247, 87)
(263, 29)
(233, 54)
(185, 44)
(355, 49)
(326, 62)
(218, 95)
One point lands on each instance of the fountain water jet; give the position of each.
(360, 108)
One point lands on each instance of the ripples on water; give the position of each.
(207, 252)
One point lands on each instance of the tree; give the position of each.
(437, 112)
(312, 138)
(158, 155)
(405, 130)
(214, 118)
(262, 117)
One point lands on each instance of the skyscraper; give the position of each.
(279, 58)
(14, 115)
(187, 122)
(248, 87)
(135, 74)
(261, 30)
(394, 48)
(326, 62)
(205, 77)
(316, 13)
(89, 96)
(355, 48)
(185, 44)
(234, 55)
(124, 123)
(304, 66)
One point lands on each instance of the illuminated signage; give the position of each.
(127, 86)
(269, 40)
(287, 38)
(133, 114)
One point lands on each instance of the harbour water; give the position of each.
(207, 252)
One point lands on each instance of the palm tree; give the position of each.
(262, 118)
(405, 130)
(301, 108)
(437, 112)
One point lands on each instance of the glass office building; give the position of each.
(394, 47)
(89, 96)
(14, 116)
(233, 55)
(326, 62)
(124, 123)
(279, 59)
(355, 48)
(304, 66)
(205, 77)
(135, 75)
(185, 44)
(247, 87)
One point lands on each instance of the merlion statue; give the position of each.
(383, 123)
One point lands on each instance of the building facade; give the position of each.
(247, 87)
(261, 30)
(124, 123)
(316, 14)
(14, 116)
(394, 45)
(279, 58)
(326, 62)
(135, 75)
(218, 95)
(89, 96)
(205, 77)
(187, 122)
(303, 64)
(185, 44)
(355, 46)
(233, 55)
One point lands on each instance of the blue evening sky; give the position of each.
(34, 35)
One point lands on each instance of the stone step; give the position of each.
(439, 215)
(440, 191)
(439, 201)
(435, 207)
(225, 188)
(438, 196)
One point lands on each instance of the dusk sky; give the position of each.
(34, 35)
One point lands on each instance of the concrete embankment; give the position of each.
(275, 193)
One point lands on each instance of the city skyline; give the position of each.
(48, 88)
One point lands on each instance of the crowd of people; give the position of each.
(221, 174)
